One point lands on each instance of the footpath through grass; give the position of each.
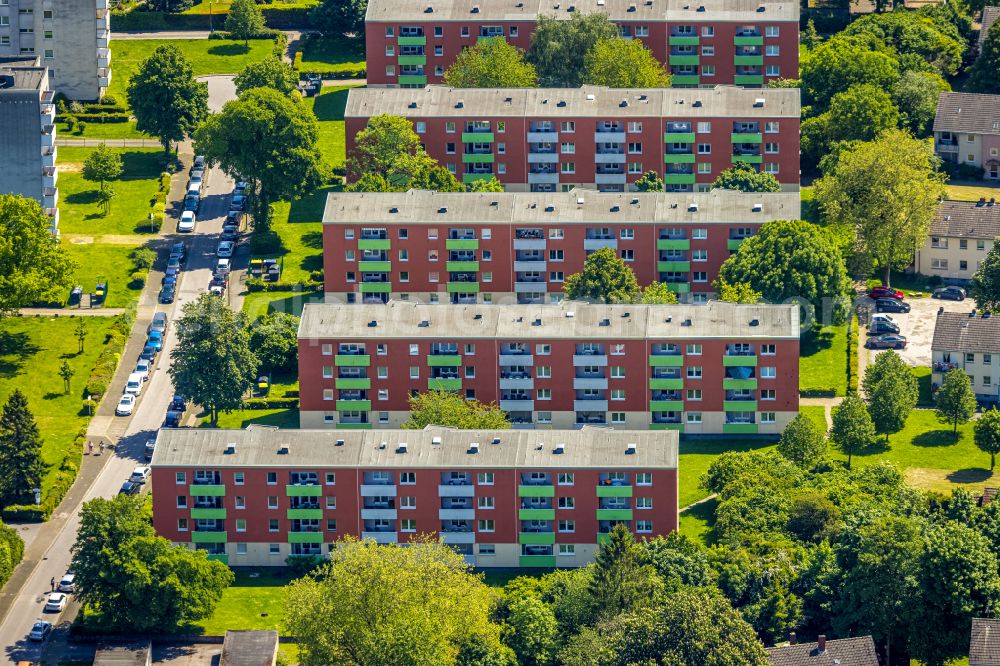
(32, 349)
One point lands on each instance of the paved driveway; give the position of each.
(918, 327)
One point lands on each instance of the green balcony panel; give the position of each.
(678, 158)
(375, 287)
(537, 538)
(666, 405)
(354, 405)
(739, 405)
(462, 266)
(678, 137)
(353, 383)
(536, 491)
(207, 491)
(413, 60)
(749, 79)
(738, 384)
(303, 491)
(219, 557)
(666, 360)
(684, 80)
(734, 243)
(739, 361)
(603, 538)
(209, 537)
(679, 427)
(747, 137)
(374, 266)
(537, 561)
(681, 40)
(214, 514)
(673, 244)
(614, 514)
(463, 287)
(477, 137)
(666, 384)
(757, 40)
(536, 514)
(739, 428)
(374, 244)
(304, 514)
(614, 491)
(444, 360)
(478, 158)
(679, 287)
(443, 384)
(748, 60)
(679, 178)
(683, 60)
(305, 537)
(354, 426)
(412, 79)
(748, 159)
(420, 40)
(352, 361)
(473, 177)
(461, 244)
(673, 266)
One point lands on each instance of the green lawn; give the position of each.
(697, 455)
(222, 6)
(32, 349)
(95, 130)
(823, 362)
(256, 304)
(329, 110)
(332, 54)
(698, 521)
(250, 603)
(100, 262)
(815, 414)
(972, 190)
(281, 418)
(207, 56)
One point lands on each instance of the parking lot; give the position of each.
(918, 327)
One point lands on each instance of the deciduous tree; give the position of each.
(165, 98)
(624, 63)
(916, 95)
(987, 434)
(66, 372)
(530, 630)
(746, 178)
(802, 442)
(741, 292)
(103, 164)
(558, 47)
(213, 363)
(21, 464)
(274, 339)
(955, 399)
(446, 408)
(910, 34)
(649, 182)
(491, 63)
(605, 278)
(339, 17)
(388, 148)
(983, 75)
(657, 293)
(985, 285)
(245, 21)
(33, 268)
(269, 73)
(841, 62)
(891, 392)
(853, 431)
(485, 185)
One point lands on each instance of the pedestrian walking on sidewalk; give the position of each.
(52, 584)
(90, 448)
(101, 445)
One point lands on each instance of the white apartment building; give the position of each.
(71, 37)
(970, 341)
(960, 237)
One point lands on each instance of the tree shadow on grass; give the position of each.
(52, 395)
(267, 244)
(935, 438)
(969, 475)
(310, 207)
(313, 239)
(140, 165)
(814, 342)
(313, 262)
(15, 348)
(228, 50)
(85, 197)
(331, 105)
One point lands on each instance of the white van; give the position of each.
(194, 188)
(133, 386)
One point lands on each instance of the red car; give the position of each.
(885, 292)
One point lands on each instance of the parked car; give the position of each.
(173, 419)
(125, 405)
(133, 385)
(197, 176)
(238, 202)
(40, 630)
(885, 292)
(178, 403)
(140, 474)
(159, 323)
(949, 293)
(67, 583)
(884, 317)
(889, 341)
(230, 232)
(148, 353)
(223, 265)
(143, 368)
(174, 261)
(880, 326)
(225, 249)
(180, 247)
(240, 187)
(156, 339)
(150, 447)
(129, 488)
(891, 305)
(56, 602)
(199, 162)
(167, 294)
(187, 222)
(191, 201)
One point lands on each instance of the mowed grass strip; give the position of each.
(255, 601)
(823, 360)
(329, 55)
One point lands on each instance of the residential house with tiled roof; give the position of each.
(858, 651)
(984, 644)
(959, 239)
(970, 341)
(967, 130)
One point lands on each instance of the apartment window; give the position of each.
(544, 372)
(488, 525)
(407, 478)
(331, 502)
(699, 276)
(771, 127)
(543, 349)
(768, 349)
(182, 524)
(693, 349)
(272, 502)
(771, 50)
(545, 417)
(694, 394)
(644, 526)
(390, 70)
(771, 30)
(556, 276)
(272, 478)
(487, 549)
(644, 478)
(635, 167)
(771, 148)
(704, 167)
(567, 526)
(390, 49)
(383, 417)
(49, 54)
(693, 417)
(767, 394)
(408, 525)
(567, 148)
(182, 501)
(699, 234)
(987, 359)
(486, 503)
(939, 264)
(438, 31)
(328, 394)
(987, 380)
(617, 394)
(635, 148)
(566, 503)
(241, 525)
(643, 502)
(704, 127)
(767, 417)
(421, 127)
(772, 70)
(980, 245)
(567, 167)
(704, 149)
(180, 478)
(970, 358)
(331, 525)
(389, 31)
(694, 372)
(238, 478)
(545, 394)
(768, 372)
(567, 126)
(618, 418)
(708, 70)
(634, 127)
(708, 50)
(484, 478)
(617, 372)
(627, 255)
(241, 502)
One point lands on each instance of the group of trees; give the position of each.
(741, 176)
(606, 278)
(33, 267)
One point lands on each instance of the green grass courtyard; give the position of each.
(823, 361)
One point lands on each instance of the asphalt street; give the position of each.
(147, 417)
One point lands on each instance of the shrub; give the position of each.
(75, 108)
(110, 100)
(81, 126)
(138, 279)
(63, 481)
(297, 61)
(165, 181)
(852, 355)
(70, 123)
(963, 171)
(143, 258)
(271, 403)
(107, 361)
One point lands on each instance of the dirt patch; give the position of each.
(79, 240)
(945, 480)
(67, 167)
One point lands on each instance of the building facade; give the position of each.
(28, 137)
(967, 131)
(553, 139)
(501, 498)
(411, 43)
(960, 237)
(437, 247)
(71, 37)
(970, 342)
(718, 368)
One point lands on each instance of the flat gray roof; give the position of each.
(249, 648)
(574, 207)
(434, 447)
(749, 11)
(567, 320)
(27, 74)
(583, 102)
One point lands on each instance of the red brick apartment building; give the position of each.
(504, 498)
(410, 43)
(718, 368)
(551, 139)
(436, 247)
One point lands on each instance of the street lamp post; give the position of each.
(211, 25)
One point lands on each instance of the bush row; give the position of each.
(351, 72)
(821, 392)
(259, 285)
(97, 117)
(65, 476)
(11, 551)
(107, 362)
(852, 355)
(276, 17)
(271, 403)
